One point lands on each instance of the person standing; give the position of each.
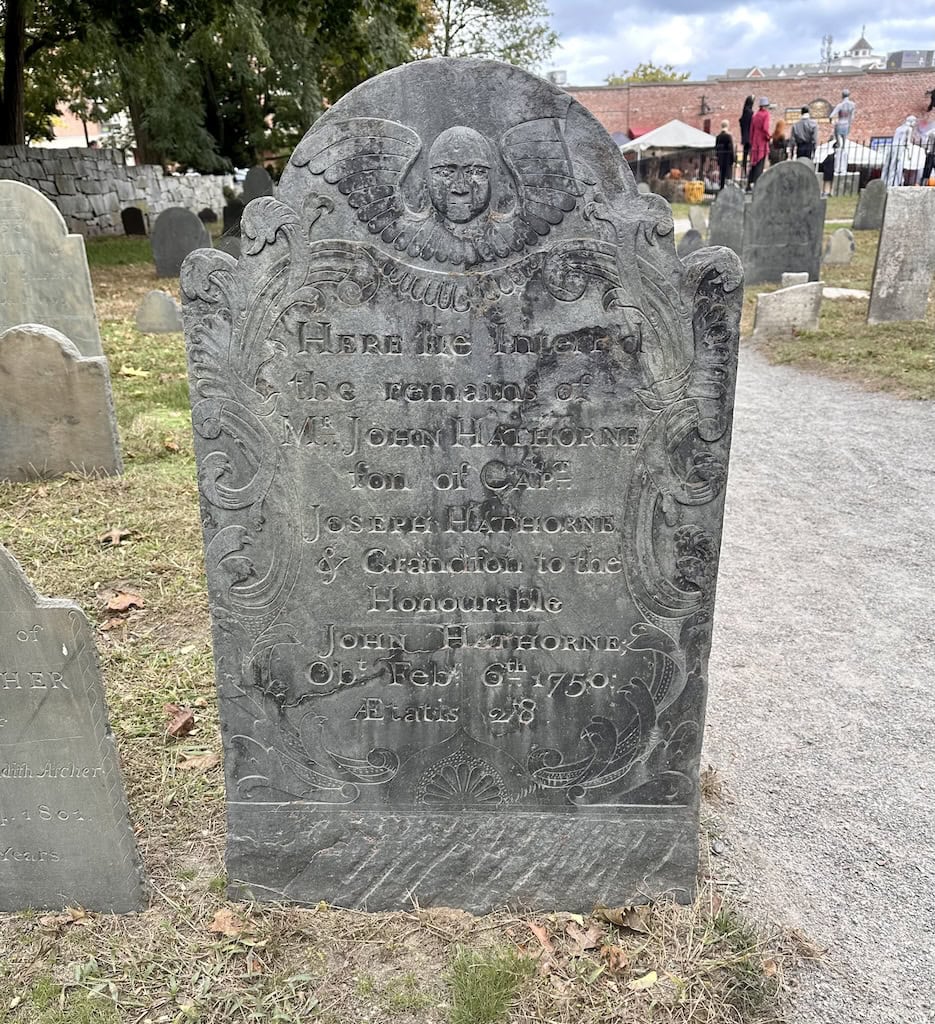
(759, 141)
(929, 144)
(778, 144)
(805, 136)
(746, 117)
(842, 117)
(725, 153)
(894, 163)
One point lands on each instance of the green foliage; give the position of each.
(484, 983)
(649, 72)
(515, 31)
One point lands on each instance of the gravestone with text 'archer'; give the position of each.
(462, 420)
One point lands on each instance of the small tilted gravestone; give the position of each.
(257, 183)
(232, 213)
(789, 279)
(699, 220)
(158, 313)
(905, 264)
(65, 834)
(840, 248)
(781, 313)
(56, 409)
(784, 224)
(462, 457)
(44, 274)
(725, 222)
(690, 242)
(207, 216)
(870, 205)
(176, 233)
(134, 223)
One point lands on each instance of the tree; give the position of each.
(515, 31)
(649, 72)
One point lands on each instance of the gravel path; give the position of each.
(821, 712)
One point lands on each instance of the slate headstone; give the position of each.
(789, 279)
(229, 244)
(207, 216)
(133, 220)
(905, 263)
(176, 233)
(158, 313)
(56, 409)
(784, 224)
(690, 242)
(461, 526)
(840, 248)
(781, 313)
(870, 204)
(257, 183)
(698, 219)
(44, 274)
(67, 839)
(725, 223)
(232, 213)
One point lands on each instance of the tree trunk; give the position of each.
(144, 149)
(12, 107)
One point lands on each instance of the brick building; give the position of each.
(883, 98)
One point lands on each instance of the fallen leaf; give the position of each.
(542, 934)
(647, 981)
(76, 913)
(114, 537)
(770, 967)
(616, 957)
(200, 762)
(179, 721)
(124, 600)
(226, 922)
(111, 623)
(132, 371)
(634, 918)
(584, 940)
(170, 444)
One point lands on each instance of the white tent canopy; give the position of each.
(673, 135)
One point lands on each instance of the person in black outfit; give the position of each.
(725, 154)
(745, 118)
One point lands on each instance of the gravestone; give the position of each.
(725, 223)
(158, 313)
(699, 220)
(56, 409)
(840, 248)
(44, 270)
(690, 242)
(870, 205)
(207, 216)
(905, 263)
(789, 279)
(257, 183)
(643, 188)
(66, 835)
(462, 458)
(232, 213)
(134, 223)
(784, 223)
(781, 313)
(176, 233)
(229, 244)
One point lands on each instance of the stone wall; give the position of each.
(91, 186)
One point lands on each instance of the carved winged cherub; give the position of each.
(475, 202)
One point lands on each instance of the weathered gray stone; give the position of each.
(726, 220)
(846, 294)
(462, 422)
(789, 279)
(905, 264)
(176, 233)
(781, 313)
(66, 830)
(840, 248)
(158, 313)
(690, 242)
(870, 205)
(257, 183)
(133, 220)
(699, 220)
(784, 224)
(643, 188)
(43, 269)
(56, 410)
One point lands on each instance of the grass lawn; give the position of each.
(195, 958)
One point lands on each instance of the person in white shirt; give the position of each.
(843, 117)
(894, 162)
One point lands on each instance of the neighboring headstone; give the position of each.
(229, 244)
(207, 216)
(232, 213)
(690, 242)
(840, 248)
(725, 223)
(699, 220)
(784, 224)
(44, 270)
(643, 188)
(847, 294)
(176, 233)
(257, 183)
(158, 313)
(462, 461)
(870, 204)
(905, 264)
(66, 835)
(781, 313)
(134, 223)
(789, 279)
(56, 409)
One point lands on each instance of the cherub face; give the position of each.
(459, 174)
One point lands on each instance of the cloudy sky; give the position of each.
(599, 37)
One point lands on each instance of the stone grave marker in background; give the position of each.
(462, 461)
(133, 220)
(725, 222)
(870, 205)
(229, 244)
(207, 216)
(783, 224)
(840, 248)
(690, 242)
(780, 313)
(788, 279)
(66, 835)
(699, 220)
(905, 264)
(56, 409)
(158, 313)
(643, 188)
(257, 183)
(232, 213)
(44, 270)
(176, 233)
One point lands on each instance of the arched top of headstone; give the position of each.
(790, 180)
(176, 233)
(41, 337)
(257, 183)
(41, 215)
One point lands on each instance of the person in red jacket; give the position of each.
(759, 141)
